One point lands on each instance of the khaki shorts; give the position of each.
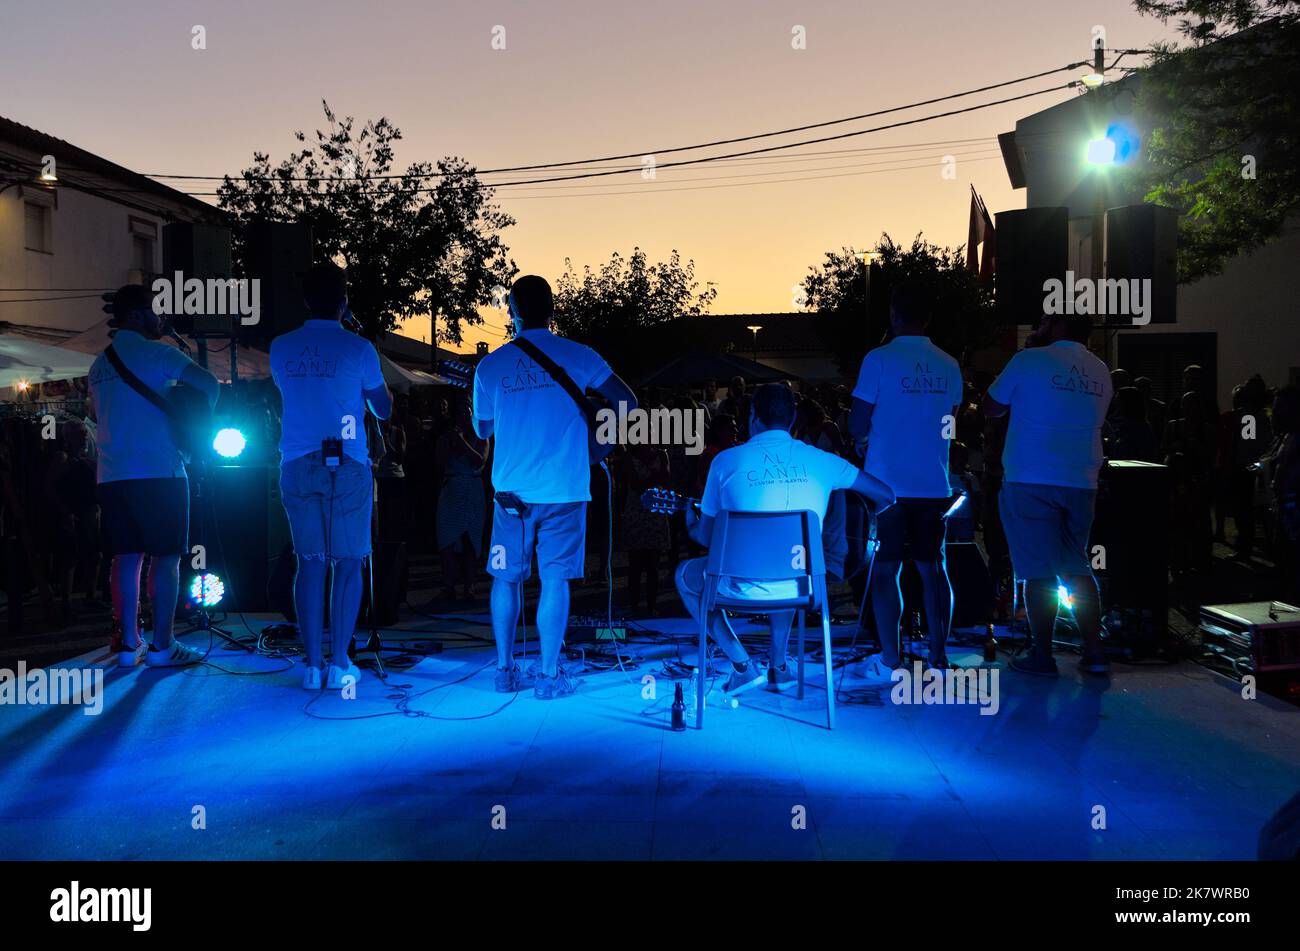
(556, 531)
(1047, 528)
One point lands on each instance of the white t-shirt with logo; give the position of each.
(133, 437)
(772, 472)
(1058, 396)
(540, 452)
(913, 386)
(321, 371)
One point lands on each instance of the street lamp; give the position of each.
(754, 329)
(47, 179)
(1098, 75)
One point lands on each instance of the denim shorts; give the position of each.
(329, 510)
(1047, 528)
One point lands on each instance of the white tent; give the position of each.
(252, 364)
(401, 379)
(26, 361)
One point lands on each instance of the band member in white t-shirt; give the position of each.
(144, 491)
(904, 407)
(1057, 394)
(771, 472)
(328, 378)
(540, 456)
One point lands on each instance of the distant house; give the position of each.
(790, 343)
(94, 227)
(1240, 322)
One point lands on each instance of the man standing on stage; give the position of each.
(541, 457)
(328, 379)
(144, 492)
(1057, 394)
(904, 408)
(771, 472)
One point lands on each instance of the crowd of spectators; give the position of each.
(1233, 478)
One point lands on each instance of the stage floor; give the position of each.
(1183, 767)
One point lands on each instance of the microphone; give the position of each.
(351, 323)
(170, 331)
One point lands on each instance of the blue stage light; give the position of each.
(207, 590)
(229, 443)
(1063, 595)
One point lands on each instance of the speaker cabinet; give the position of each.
(1142, 245)
(236, 514)
(1132, 527)
(197, 251)
(1033, 246)
(277, 255)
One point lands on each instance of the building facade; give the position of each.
(73, 225)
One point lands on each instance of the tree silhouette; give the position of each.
(1226, 125)
(850, 325)
(413, 244)
(610, 308)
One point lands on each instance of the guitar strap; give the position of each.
(136, 383)
(559, 375)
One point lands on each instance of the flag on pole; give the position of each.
(980, 231)
(973, 234)
(989, 254)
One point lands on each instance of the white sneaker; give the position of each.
(132, 656)
(338, 676)
(873, 670)
(175, 655)
(311, 679)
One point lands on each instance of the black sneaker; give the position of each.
(511, 681)
(941, 663)
(1034, 663)
(1095, 664)
(783, 676)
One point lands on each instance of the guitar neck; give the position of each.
(666, 501)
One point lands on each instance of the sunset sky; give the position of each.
(579, 80)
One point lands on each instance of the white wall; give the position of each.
(91, 242)
(1254, 307)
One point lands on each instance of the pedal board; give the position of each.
(587, 629)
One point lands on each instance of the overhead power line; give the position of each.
(692, 188)
(680, 148)
(760, 151)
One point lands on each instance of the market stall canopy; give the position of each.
(693, 369)
(252, 364)
(401, 379)
(26, 361)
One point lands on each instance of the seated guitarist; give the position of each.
(144, 492)
(772, 472)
